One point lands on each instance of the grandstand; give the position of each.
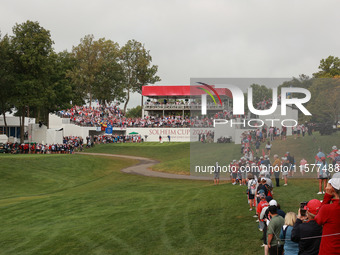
(170, 112)
(180, 100)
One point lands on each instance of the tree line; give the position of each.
(324, 87)
(36, 80)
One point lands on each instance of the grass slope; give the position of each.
(109, 212)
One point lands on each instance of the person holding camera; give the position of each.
(329, 218)
(306, 231)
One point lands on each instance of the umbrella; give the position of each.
(133, 133)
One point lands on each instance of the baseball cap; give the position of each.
(262, 195)
(335, 181)
(273, 202)
(334, 148)
(263, 179)
(313, 206)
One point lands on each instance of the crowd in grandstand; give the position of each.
(316, 227)
(102, 116)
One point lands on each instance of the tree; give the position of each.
(32, 47)
(61, 91)
(108, 84)
(137, 68)
(303, 81)
(134, 112)
(325, 102)
(260, 93)
(97, 73)
(329, 67)
(6, 78)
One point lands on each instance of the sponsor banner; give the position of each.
(108, 129)
(176, 134)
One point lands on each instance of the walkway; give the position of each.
(144, 165)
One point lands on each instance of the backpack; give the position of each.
(253, 187)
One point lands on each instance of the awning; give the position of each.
(180, 91)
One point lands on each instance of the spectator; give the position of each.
(263, 186)
(268, 147)
(263, 203)
(306, 231)
(275, 245)
(290, 247)
(265, 216)
(328, 217)
(257, 146)
(291, 162)
(266, 163)
(276, 169)
(285, 170)
(279, 211)
(234, 169)
(217, 174)
(303, 163)
(323, 173)
(252, 183)
(337, 161)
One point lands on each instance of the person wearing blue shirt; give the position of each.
(290, 247)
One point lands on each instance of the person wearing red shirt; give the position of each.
(263, 203)
(329, 217)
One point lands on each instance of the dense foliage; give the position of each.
(36, 80)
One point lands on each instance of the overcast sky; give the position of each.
(213, 38)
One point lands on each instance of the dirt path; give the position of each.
(144, 165)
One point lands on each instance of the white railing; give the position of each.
(181, 107)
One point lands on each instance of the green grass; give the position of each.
(99, 210)
(31, 175)
(174, 157)
(78, 204)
